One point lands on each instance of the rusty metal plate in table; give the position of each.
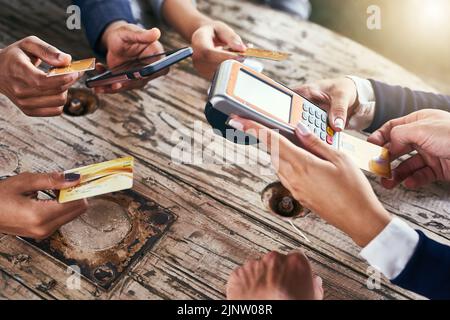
(105, 241)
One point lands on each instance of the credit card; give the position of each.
(100, 178)
(264, 54)
(367, 156)
(76, 66)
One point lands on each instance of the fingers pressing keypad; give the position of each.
(317, 121)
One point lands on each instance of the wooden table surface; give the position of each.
(221, 221)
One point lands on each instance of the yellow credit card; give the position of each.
(100, 178)
(367, 156)
(76, 66)
(264, 54)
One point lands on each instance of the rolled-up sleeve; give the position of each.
(96, 15)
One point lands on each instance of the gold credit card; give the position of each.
(100, 178)
(367, 156)
(76, 66)
(264, 54)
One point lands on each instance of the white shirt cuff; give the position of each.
(392, 249)
(365, 110)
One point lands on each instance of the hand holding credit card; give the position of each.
(75, 66)
(238, 90)
(100, 178)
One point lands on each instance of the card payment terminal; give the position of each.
(239, 90)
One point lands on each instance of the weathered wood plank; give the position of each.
(39, 272)
(11, 289)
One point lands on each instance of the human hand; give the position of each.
(275, 277)
(428, 133)
(27, 86)
(338, 96)
(125, 42)
(323, 180)
(208, 43)
(22, 214)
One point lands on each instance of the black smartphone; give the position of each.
(140, 68)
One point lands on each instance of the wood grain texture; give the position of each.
(11, 289)
(221, 222)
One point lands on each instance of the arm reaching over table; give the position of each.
(362, 104)
(319, 169)
(112, 31)
(407, 257)
(208, 37)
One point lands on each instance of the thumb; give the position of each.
(44, 51)
(403, 138)
(229, 37)
(141, 36)
(318, 288)
(50, 181)
(100, 67)
(338, 112)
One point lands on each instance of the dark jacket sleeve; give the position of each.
(395, 102)
(428, 271)
(96, 15)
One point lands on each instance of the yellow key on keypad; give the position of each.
(330, 131)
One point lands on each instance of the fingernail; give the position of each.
(339, 123)
(319, 281)
(236, 124)
(303, 129)
(60, 56)
(70, 177)
(239, 45)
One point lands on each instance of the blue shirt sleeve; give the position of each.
(428, 271)
(395, 102)
(96, 15)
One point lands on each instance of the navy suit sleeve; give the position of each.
(96, 15)
(428, 271)
(395, 102)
